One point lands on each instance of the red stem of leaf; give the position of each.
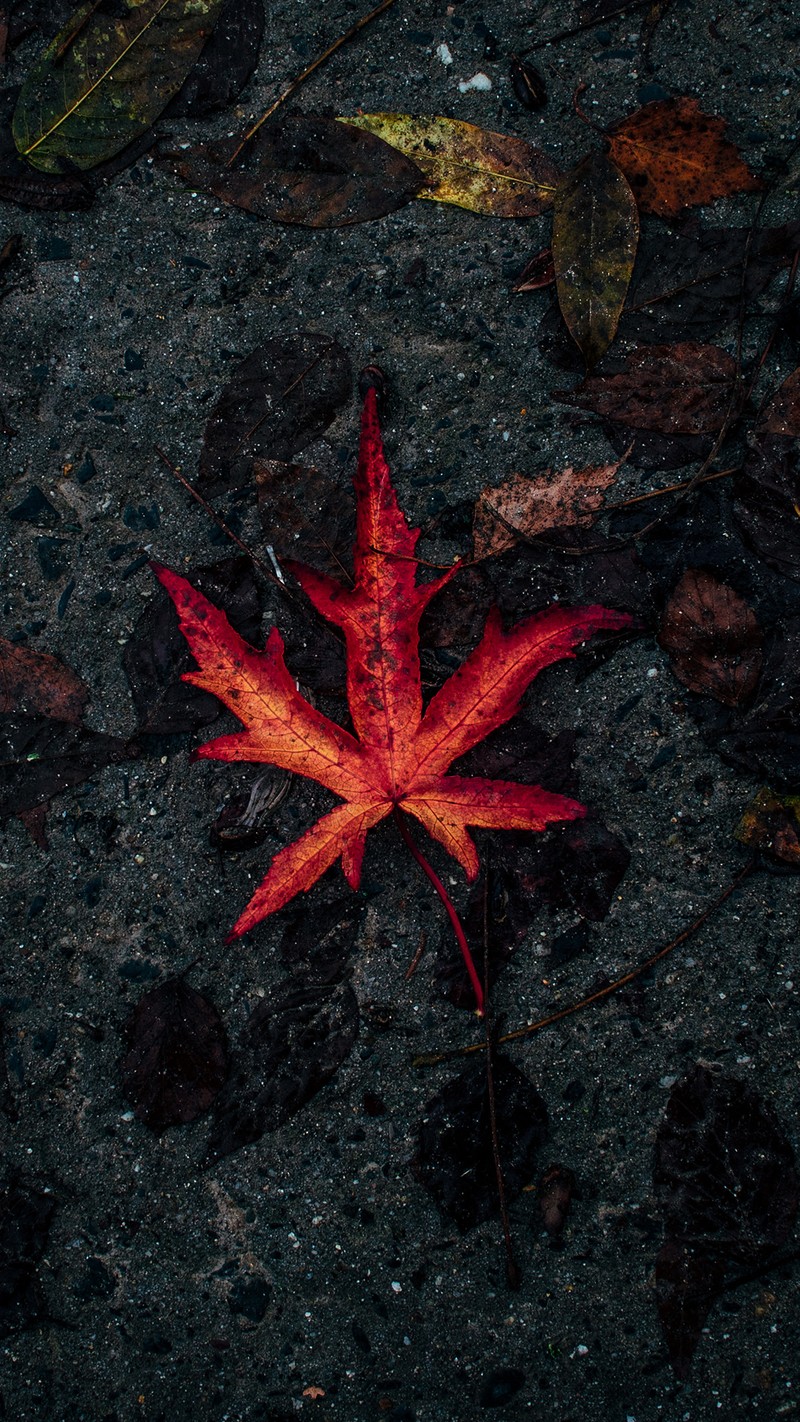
(445, 898)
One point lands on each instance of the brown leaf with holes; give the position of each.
(712, 637)
(39, 684)
(675, 156)
(782, 414)
(687, 388)
(521, 508)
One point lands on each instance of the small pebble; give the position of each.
(443, 53)
(480, 82)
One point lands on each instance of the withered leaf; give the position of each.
(497, 906)
(675, 156)
(26, 186)
(41, 757)
(713, 638)
(243, 821)
(177, 1058)
(537, 273)
(294, 1042)
(554, 1197)
(578, 866)
(491, 173)
(306, 170)
(25, 1214)
(306, 513)
(728, 1188)
(772, 823)
(522, 507)
(767, 499)
(281, 396)
(595, 235)
(454, 1160)
(682, 389)
(766, 741)
(39, 684)
(782, 413)
(156, 655)
(105, 77)
(226, 62)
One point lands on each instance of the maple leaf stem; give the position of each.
(461, 936)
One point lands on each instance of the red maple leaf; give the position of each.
(398, 757)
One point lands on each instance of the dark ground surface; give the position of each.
(321, 1226)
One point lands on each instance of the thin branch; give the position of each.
(417, 958)
(586, 25)
(295, 83)
(461, 936)
(434, 1058)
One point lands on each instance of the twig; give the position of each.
(512, 1268)
(417, 958)
(586, 25)
(446, 900)
(295, 83)
(433, 1059)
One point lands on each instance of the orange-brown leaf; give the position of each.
(522, 507)
(675, 156)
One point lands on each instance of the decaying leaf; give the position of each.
(293, 1043)
(492, 173)
(177, 1057)
(279, 398)
(226, 62)
(305, 170)
(728, 1187)
(156, 654)
(554, 1197)
(523, 507)
(675, 156)
(771, 823)
(454, 1160)
(105, 78)
(37, 683)
(539, 272)
(781, 415)
(595, 235)
(397, 758)
(41, 757)
(682, 389)
(25, 1214)
(579, 867)
(712, 637)
(767, 501)
(306, 514)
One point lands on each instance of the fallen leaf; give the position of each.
(226, 63)
(766, 741)
(41, 757)
(491, 173)
(675, 156)
(712, 637)
(242, 823)
(305, 513)
(528, 84)
(294, 1042)
(454, 1160)
(595, 235)
(772, 823)
(539, 272)
(25, 1215)
(105, 78)
(728, 1189)
(305, 170)
(397, 757)
(498, 913)
(767, 501)
(523, 507)
(156, 654)
(781, 415)
(39, 684)
(682, 389)
(579, 867)
(177, 1057)
(554, 1197)
(279, 398)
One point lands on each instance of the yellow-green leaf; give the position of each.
(595, 235)
(102, 81)
(491, 173)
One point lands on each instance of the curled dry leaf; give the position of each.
(492, 173)
(712, 637)
(687, 388)
(307, 171)
(675, 156)
(782, 413)
(279, 398)
(595, 235)
(523, 507)
(177, 1058)
(105, 77)
(771, 823)
(537, 273)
